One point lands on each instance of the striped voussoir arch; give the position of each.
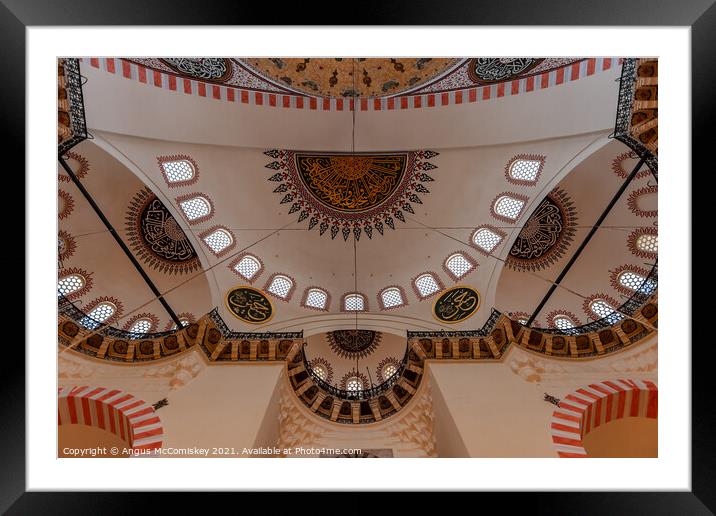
(596, 404)
(126, 416)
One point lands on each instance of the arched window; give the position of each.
(141, 326)
(98, 315)
(320, 371)
(601, 308)
(70, 283)
(184, 322)
(525, 171)
(486, 239)
(178, 171)
(247, 267)
(563, 322)
(648, 243)
(458, 265)
(218, 240)
(426, 285)
(391, 297)
(281, 286)
(196, 209)
(354, 303)
(316, 298)
(631, 280)
(354, 384)
(507, 207)
(388, 370)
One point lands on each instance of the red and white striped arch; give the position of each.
(597, 404)
(126, 416)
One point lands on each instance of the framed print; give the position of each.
(446, 243)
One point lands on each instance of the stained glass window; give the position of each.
(509, 207)
(459, 265)
(71, 283)
(426, 285)
(178, 171)
(354, 303)
(486, 239)
(392, 297)
(280, 286)
(195, 208)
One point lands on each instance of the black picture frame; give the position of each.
(16, 15)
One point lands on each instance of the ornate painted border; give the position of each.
(343, 302)
(492, 228)
(304, 298)
(70, 245)
(467, 257)
(130, 418)
(402, 294)
(82, 291)
(226, 249)
(618, 165)
(633, 201)
(588, 301)
(192, 195)
(599, 403)
(154, 320)
(290, 291)
(566, 207)
(163, 80)
(535, 157)
(235, 262)
(437, 279)
(350, 374)
(69, 204)
(326, 365)
(382, 364)
(80, 172)
(184, 315)
(565, 313)
(106, 299)
(178, 157)
(634, 236)
(140, 246)
(514, 195)
(614, 277)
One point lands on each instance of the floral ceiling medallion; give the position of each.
(351, 193)
(353, 344)
(157, 238)
(546, 235)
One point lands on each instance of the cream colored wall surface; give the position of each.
(223, 407)
(498, 408)
(448, 441)
(496, 412)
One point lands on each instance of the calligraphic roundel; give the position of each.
(456, 304)
(351, 183)
(249, 304)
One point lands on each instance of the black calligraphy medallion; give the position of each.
(546, 235)
(156, 236)
(207, 68)
(249, 304)
(456, 304)
(353, 343)
(491, 70)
